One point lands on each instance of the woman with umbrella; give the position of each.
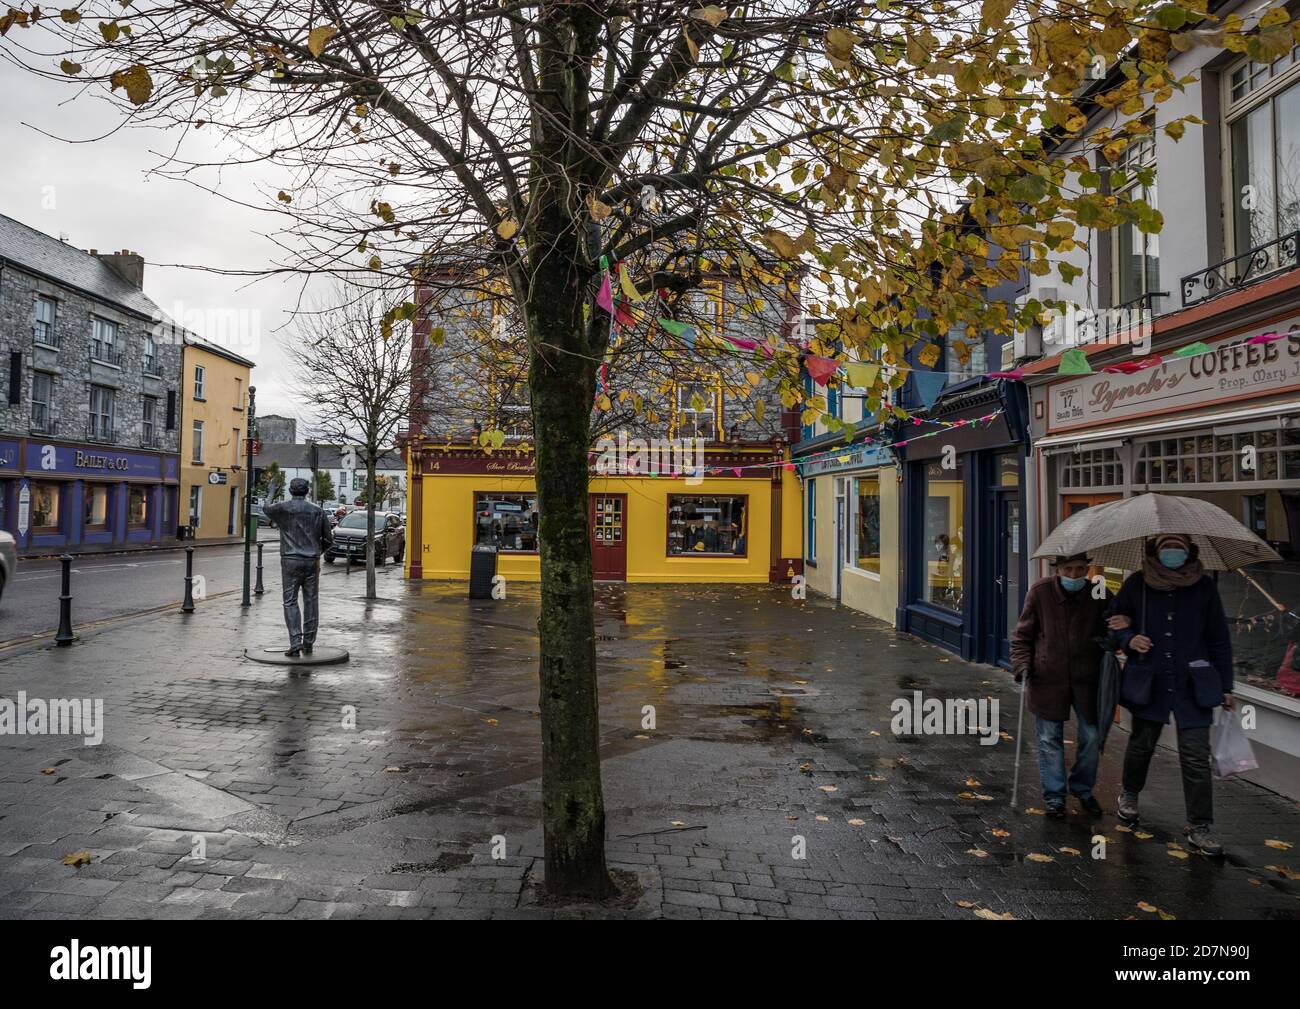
(1169, 618)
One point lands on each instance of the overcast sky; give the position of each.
(103, 196)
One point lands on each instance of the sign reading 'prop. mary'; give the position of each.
(1231, 370)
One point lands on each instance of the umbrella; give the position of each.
(1115, 534)
(1107, 696)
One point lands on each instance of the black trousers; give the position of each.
(301, 573)
(1193, 756)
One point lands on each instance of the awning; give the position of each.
(1066, 441)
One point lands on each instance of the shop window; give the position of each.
(95, 496)
(47, 499)
(137, 506)
(1208, 459)
(867, 550)
(810, 554)
(1098, 467)
(706, 525)
(506, 521)
(943, 535)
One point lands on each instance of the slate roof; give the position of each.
(33, 251)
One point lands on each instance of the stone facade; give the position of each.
(275, 430)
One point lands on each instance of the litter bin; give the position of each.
(482, 569)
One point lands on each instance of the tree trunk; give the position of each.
(370, 524)
(562, 387)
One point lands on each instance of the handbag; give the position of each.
(1288, 677)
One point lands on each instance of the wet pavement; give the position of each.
(385, 787)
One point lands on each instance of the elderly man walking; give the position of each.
(304, 535)
(1058, 645)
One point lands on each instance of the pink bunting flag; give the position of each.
(820, 368)
(605, 297)
(622, 314)
(1015, 375)
(1132, 367)
(1263, 338)
(741, 342)
(789, 467)
(736, 470)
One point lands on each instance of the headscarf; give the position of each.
(1164, 579)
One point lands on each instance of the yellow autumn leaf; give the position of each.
(977, 852)
(839, 47)
(599, 211)
(711, 15)
(827, 788)
(507, 229)
(1000, 833)
(1035, 856)
(988, 915)
(1177, 853)
(691, 46)
(857, 823)
(70, 68)
(49, 770)
(929, 355)
(965, 903)
(1142, 835)
(319, 38)
(781, 243)
(1279, 845)
(1148, 908)
(994, 13)
(1035, 811)
(973, 783)
(135, 80)
(77, 859)
(1283, 871)
(1069, 851)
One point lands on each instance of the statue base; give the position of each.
(321, 655)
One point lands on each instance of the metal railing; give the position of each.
(43, 423)
(50, 338)
(105, 353)
(150, 441)
(1240, 271)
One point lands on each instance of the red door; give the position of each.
(608, 517)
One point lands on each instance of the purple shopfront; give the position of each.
(56, 496)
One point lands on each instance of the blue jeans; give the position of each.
(1051, 759)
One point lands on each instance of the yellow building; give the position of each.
(214, 432)
(740, 521)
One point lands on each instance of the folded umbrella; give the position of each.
(1114, 534)
(1107, 696)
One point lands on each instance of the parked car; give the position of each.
(259, 513)
(350, 538)
(8, 560)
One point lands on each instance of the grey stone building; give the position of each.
(89, 425)
(276, 430)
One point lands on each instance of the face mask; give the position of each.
(1173, 558)
(1073, 584)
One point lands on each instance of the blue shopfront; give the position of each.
(965, 564)
(57, 496)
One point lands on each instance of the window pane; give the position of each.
(96, 496)
(506, 521)
(1288, 160)
(706, 524)
(137, 511)
(868, 538)
(45, 505)
(1252, 178)
(943, 536)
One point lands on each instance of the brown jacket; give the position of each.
(1054, 643)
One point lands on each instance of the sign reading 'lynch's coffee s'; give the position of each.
(1224, 374)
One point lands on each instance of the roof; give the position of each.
(193, 340)
(35, 252)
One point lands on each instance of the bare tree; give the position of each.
(354, 381)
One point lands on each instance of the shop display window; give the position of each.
(706, 525)
(506, 521)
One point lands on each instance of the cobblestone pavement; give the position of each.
(771, 724)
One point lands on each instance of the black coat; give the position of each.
(1058, 643)
(1185, 626)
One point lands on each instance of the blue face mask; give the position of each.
(1173, 558)
(1073, 584)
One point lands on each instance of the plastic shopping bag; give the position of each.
(1229, 747)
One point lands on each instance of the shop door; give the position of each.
(1007, 582)
(841, 533)
(608, 517)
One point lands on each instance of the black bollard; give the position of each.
(64, 637)
(188, 605)
(258, 590)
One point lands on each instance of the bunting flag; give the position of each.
(1015, 375)
(1263, 338)
(741, 342)
(861, 376)
(1074, 362)
(1192, 350)
(820, 368)
(605, 297)
(929, 384)
(623, 314)
(1132, 367)
(680, 330)
(628, 288)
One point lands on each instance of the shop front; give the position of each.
(851, 520)
(56, 496)
(964, 559)
(1222, 426)
(737, 522)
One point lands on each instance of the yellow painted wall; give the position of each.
(223, 410)
(448, 519)
(858, 590)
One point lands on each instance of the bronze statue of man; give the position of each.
(304, 536)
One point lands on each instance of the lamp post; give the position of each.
(248, 495)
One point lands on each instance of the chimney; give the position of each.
(126, 264)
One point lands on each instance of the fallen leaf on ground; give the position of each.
(677, 823)
(491, 721)
(827, 788)
(1177, 853)
(806, 768)
(49, 770)
(823, 819)
(78, 858)
(1148, 908)
(1142, 835)
(640, 737)
(1069, 851)
(1279, 845)
(973, 782)
(857, 823)
(965, 903)
(988, 915)
(1123, 829)
(874, 732)
(1034, 856)
(1000, 833)
(392, 770)
(977, 852)
(875, 777)
(1035, 811)
(1283, 871)
(1005, 736)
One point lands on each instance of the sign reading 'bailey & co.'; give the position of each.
(68, 460)
(1231, 370)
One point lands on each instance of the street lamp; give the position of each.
(248, 497)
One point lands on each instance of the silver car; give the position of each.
(8, 560)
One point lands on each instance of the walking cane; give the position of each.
(1020, 725)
